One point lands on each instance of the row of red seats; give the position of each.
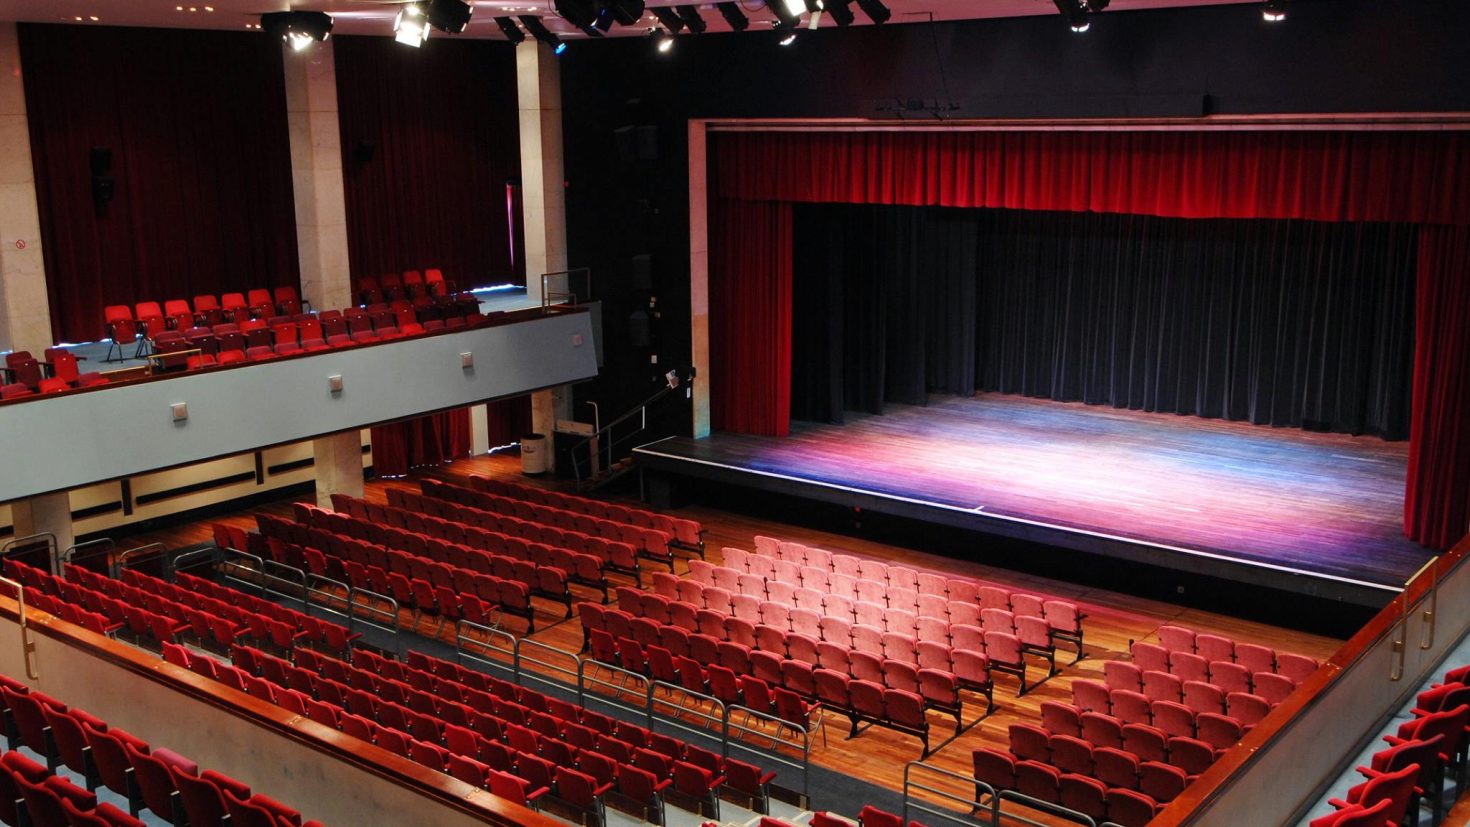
(649, 542)
(869, 816)
(615, 554)
(1225, 676)
(146, 616)
(1146, 741)
(149, 318)
(687, 533)
(417, 583)
(1162, 773)
(1208, 720)
(581, 567)
(999, 771)
(431, 282)
(167, 784)
(866, 624)
(759, 649)
(1179, 644)
(24, 375)
(544, 580)
(1200, 697)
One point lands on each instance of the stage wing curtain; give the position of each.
(1406, 177)
(1437, 503)
(508, 420)
(196, 122)
(435, 439)
(434, 192)
(750, 317)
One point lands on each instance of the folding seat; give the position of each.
(120, 328)
(1071, 754)
(747, 584)
(902, 621)
(30, 721)
(726, 578)
(1118, 674)
(745, 606)
(1214, 647)
(284, 339)
(717, 599)
(1247, 708)
(832, 689)
(842, 585)
(901, 647)
(683, 614)
(1061, 718)
(1173, 718)
(835, 656)
(734, 656)
(1092, 696)
(515, 789)
(1161, 782)
(1271, 686)
(835, 605)
(775, 615)
(1294, 666)
(898, 674)
(1004, 652)
(993, 769)
(1084, 795)
(1162, 686)
(1254, 657)
(1028, 741)
(1204, 697)
(1176, 638)
(645, 631)
(864, 701)
(863, 666)
(750, 782)
(1115, 767)
(155, 782)
(972, 671)
(1128, 808)
(805, 622)
(1189, 667)
(932, 655)
(1219, 731)
(643, 788)
(1038, 780)
(903, 599)
(1149, 743)
(867, 639)
(1190, 755)
(1102, 730)
(870, 591)
(766, 666)
(704, 648)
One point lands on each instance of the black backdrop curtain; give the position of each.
(196, 121)
(1273, 322)
(445, 139)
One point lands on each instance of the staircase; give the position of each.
(604, 457)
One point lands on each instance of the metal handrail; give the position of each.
(70, 555)
(640, 410)
(536, 646)
(971, 804)
(673, 689)
(804, 766)
(1044, 806)
(490, 633)
(45, 536)
(569, 296)
(392, 612)
(127, 557)
(27, 646)
(585, 679)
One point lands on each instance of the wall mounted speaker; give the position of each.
(101, 159)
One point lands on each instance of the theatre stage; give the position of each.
(1304, 512)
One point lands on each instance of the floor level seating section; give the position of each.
(551, 575)
(615, 555)
(1205, 715)
(927, 594)
(997, 771)
(1138, 757)
(728, 662)
(582, 568)
(497, 735)
(650, 543)
(1228, 665)
(688, 534)
(421, 584)
(171, 787)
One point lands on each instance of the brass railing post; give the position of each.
(27, 646)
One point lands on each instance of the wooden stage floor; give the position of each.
(1305, 512)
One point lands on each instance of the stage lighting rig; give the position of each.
(298, 28)
(543, 35)
(736, 18)
(875, 10)
(1274, 11)
(411, 25)
(450, 16)
(512, 32)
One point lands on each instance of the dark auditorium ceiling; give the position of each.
(370, 17)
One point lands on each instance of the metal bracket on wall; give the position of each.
(27, 646)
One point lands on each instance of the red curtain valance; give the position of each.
(1413, 177)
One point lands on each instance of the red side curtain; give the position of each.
(201, 161)
(1410, 177)
(1437, 500)
(750, 317)
(435, 439)
(445, 139)
(508, 420)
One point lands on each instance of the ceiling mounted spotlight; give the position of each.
(298, 28)
(450, 16)
(670, 18)
(411, 26)
(664, 41)
(512, 32)
(786, 33)
(691, 18)
(1274, 11)
(814, 6)
(1076, 13)
(840, 11)
(875, 10)
(785, 14)
(624, 12)
(543, 35)
(579, 13)
(734, 17)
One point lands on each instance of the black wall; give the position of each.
(1328, 56)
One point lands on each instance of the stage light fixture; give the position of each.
(840, 11)
(875, 10)
(450, 16)
(411, 26)
(669, 18)
(785, 14)
(579, 13)
(1274, 11)
(1075, 13)
(734, 17)
(786, 33)
(625, 12)
(664, 41)
(512, 32)
(794, 8)
(814, 6)
(543, 35)
(691, 18)
(298, 28)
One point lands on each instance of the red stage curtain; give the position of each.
(1437, 502)
(435, 439)
(434, 192)
(750, 317)
(509, 420)
(196, 122)
(1410, 177)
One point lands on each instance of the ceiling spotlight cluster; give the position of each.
(1274, 11)
(1079, 12)
(299, 29)
(414, 21)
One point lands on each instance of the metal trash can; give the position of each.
(533, 454)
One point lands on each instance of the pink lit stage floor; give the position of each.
(1310, 512)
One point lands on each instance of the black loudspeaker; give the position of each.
(363, 152)
(101, 158)
(636, 143)
(103, 188)
(648, 143)
(627, 148)
(643, 271)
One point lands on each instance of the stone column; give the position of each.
(699, 277)
(338, 466)
(25, 316)
(538, 95)
(316, 176)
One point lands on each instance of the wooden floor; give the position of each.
(1192, 493)
(879, 755)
